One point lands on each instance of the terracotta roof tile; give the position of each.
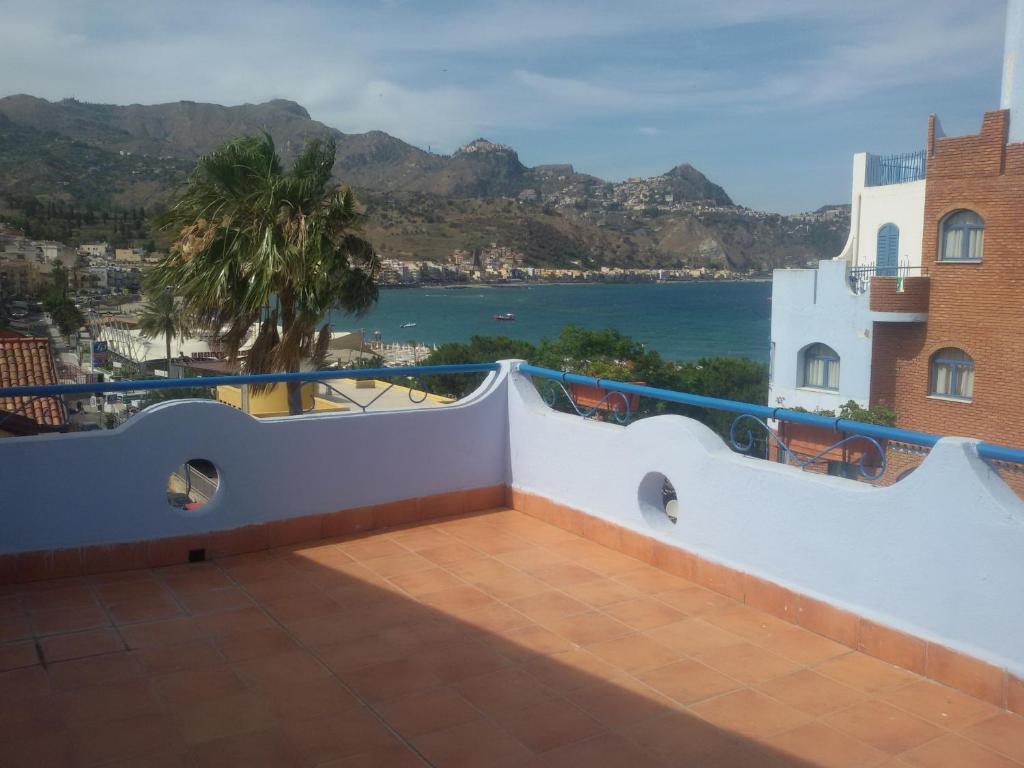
(26, 362)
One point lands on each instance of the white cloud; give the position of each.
(439, 75)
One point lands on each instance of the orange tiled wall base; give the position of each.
(937, 662)
(79, 561)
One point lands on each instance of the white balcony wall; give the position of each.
(873, 207)
(812, 306)
(107, 487)
(936, 555)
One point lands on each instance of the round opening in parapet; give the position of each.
(659, 503)
(192, 485)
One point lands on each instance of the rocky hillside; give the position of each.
(420, 205)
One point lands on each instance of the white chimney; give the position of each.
(1013, 69)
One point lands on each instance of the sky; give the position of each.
(769, 98)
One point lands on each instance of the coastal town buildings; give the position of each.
(922, 312)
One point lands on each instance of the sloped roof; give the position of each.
(26, 362)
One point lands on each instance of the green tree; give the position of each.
(58, 304)
(162, 316)
(479, 349)
(255, 245)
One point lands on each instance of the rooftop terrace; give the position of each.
(495, 583)
(490, 639)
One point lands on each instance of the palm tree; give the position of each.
(162, 316)
(257, 246)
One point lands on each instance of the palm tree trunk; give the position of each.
(294, 362)
(167, 339)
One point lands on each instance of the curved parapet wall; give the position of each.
(102, 488)
(932, 563)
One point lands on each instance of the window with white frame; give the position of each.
(963, 237)
(952, 374)
(820, 367)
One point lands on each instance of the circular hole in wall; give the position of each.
(192, 485)
(659, 503)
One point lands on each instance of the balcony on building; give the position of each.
(494, 581)
(899, 168)
(894, 294)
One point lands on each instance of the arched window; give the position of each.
(821, 367)
(952, 374)
(963, 237)
(887, 254)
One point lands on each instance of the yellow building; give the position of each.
(274, 401)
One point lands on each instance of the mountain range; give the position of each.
(419, 204)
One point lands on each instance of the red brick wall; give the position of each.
(885, 298)
(976, 307)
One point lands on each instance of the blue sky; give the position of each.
(769, 99)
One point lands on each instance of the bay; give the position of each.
(682, 321)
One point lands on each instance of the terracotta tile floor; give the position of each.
(489, 640)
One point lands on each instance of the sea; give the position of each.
(681, 321)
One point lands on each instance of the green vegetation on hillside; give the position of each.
(73, 224)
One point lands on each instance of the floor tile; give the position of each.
(212, 719)
(747, 663)
(694, 600)
(812, 693)
(689, 681)
(938, 704)
(864, 673)
(750, 713)
(141, 609)
(622, 701)
(587, 628)
(951, 751)
(693, 636)
(608, 751)
(505, 690)
(634, 652)
(819, 745)
(428, 711)
(80, 644)
(18, 654)
(183, 688)
(1003, 732)
(331, 738)
(68, 620)
(547, 605)
(99, 743)
(260, 749)
(549, 725)
(883, 726)
(471, 745)
(643, 613)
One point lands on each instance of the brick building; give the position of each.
(939, 339)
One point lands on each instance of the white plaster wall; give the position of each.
(817, 305)
(872, 207)
(899, 204)
(937, 555)
(105, 487)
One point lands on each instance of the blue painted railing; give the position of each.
(895, 169)
(874, 432)
(57, 390)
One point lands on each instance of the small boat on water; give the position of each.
(408, 325)
(505, 316)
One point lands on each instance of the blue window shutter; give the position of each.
(887, 256)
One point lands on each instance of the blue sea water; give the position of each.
(682, 321)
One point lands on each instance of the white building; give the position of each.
(99, 250)
(821, 319)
